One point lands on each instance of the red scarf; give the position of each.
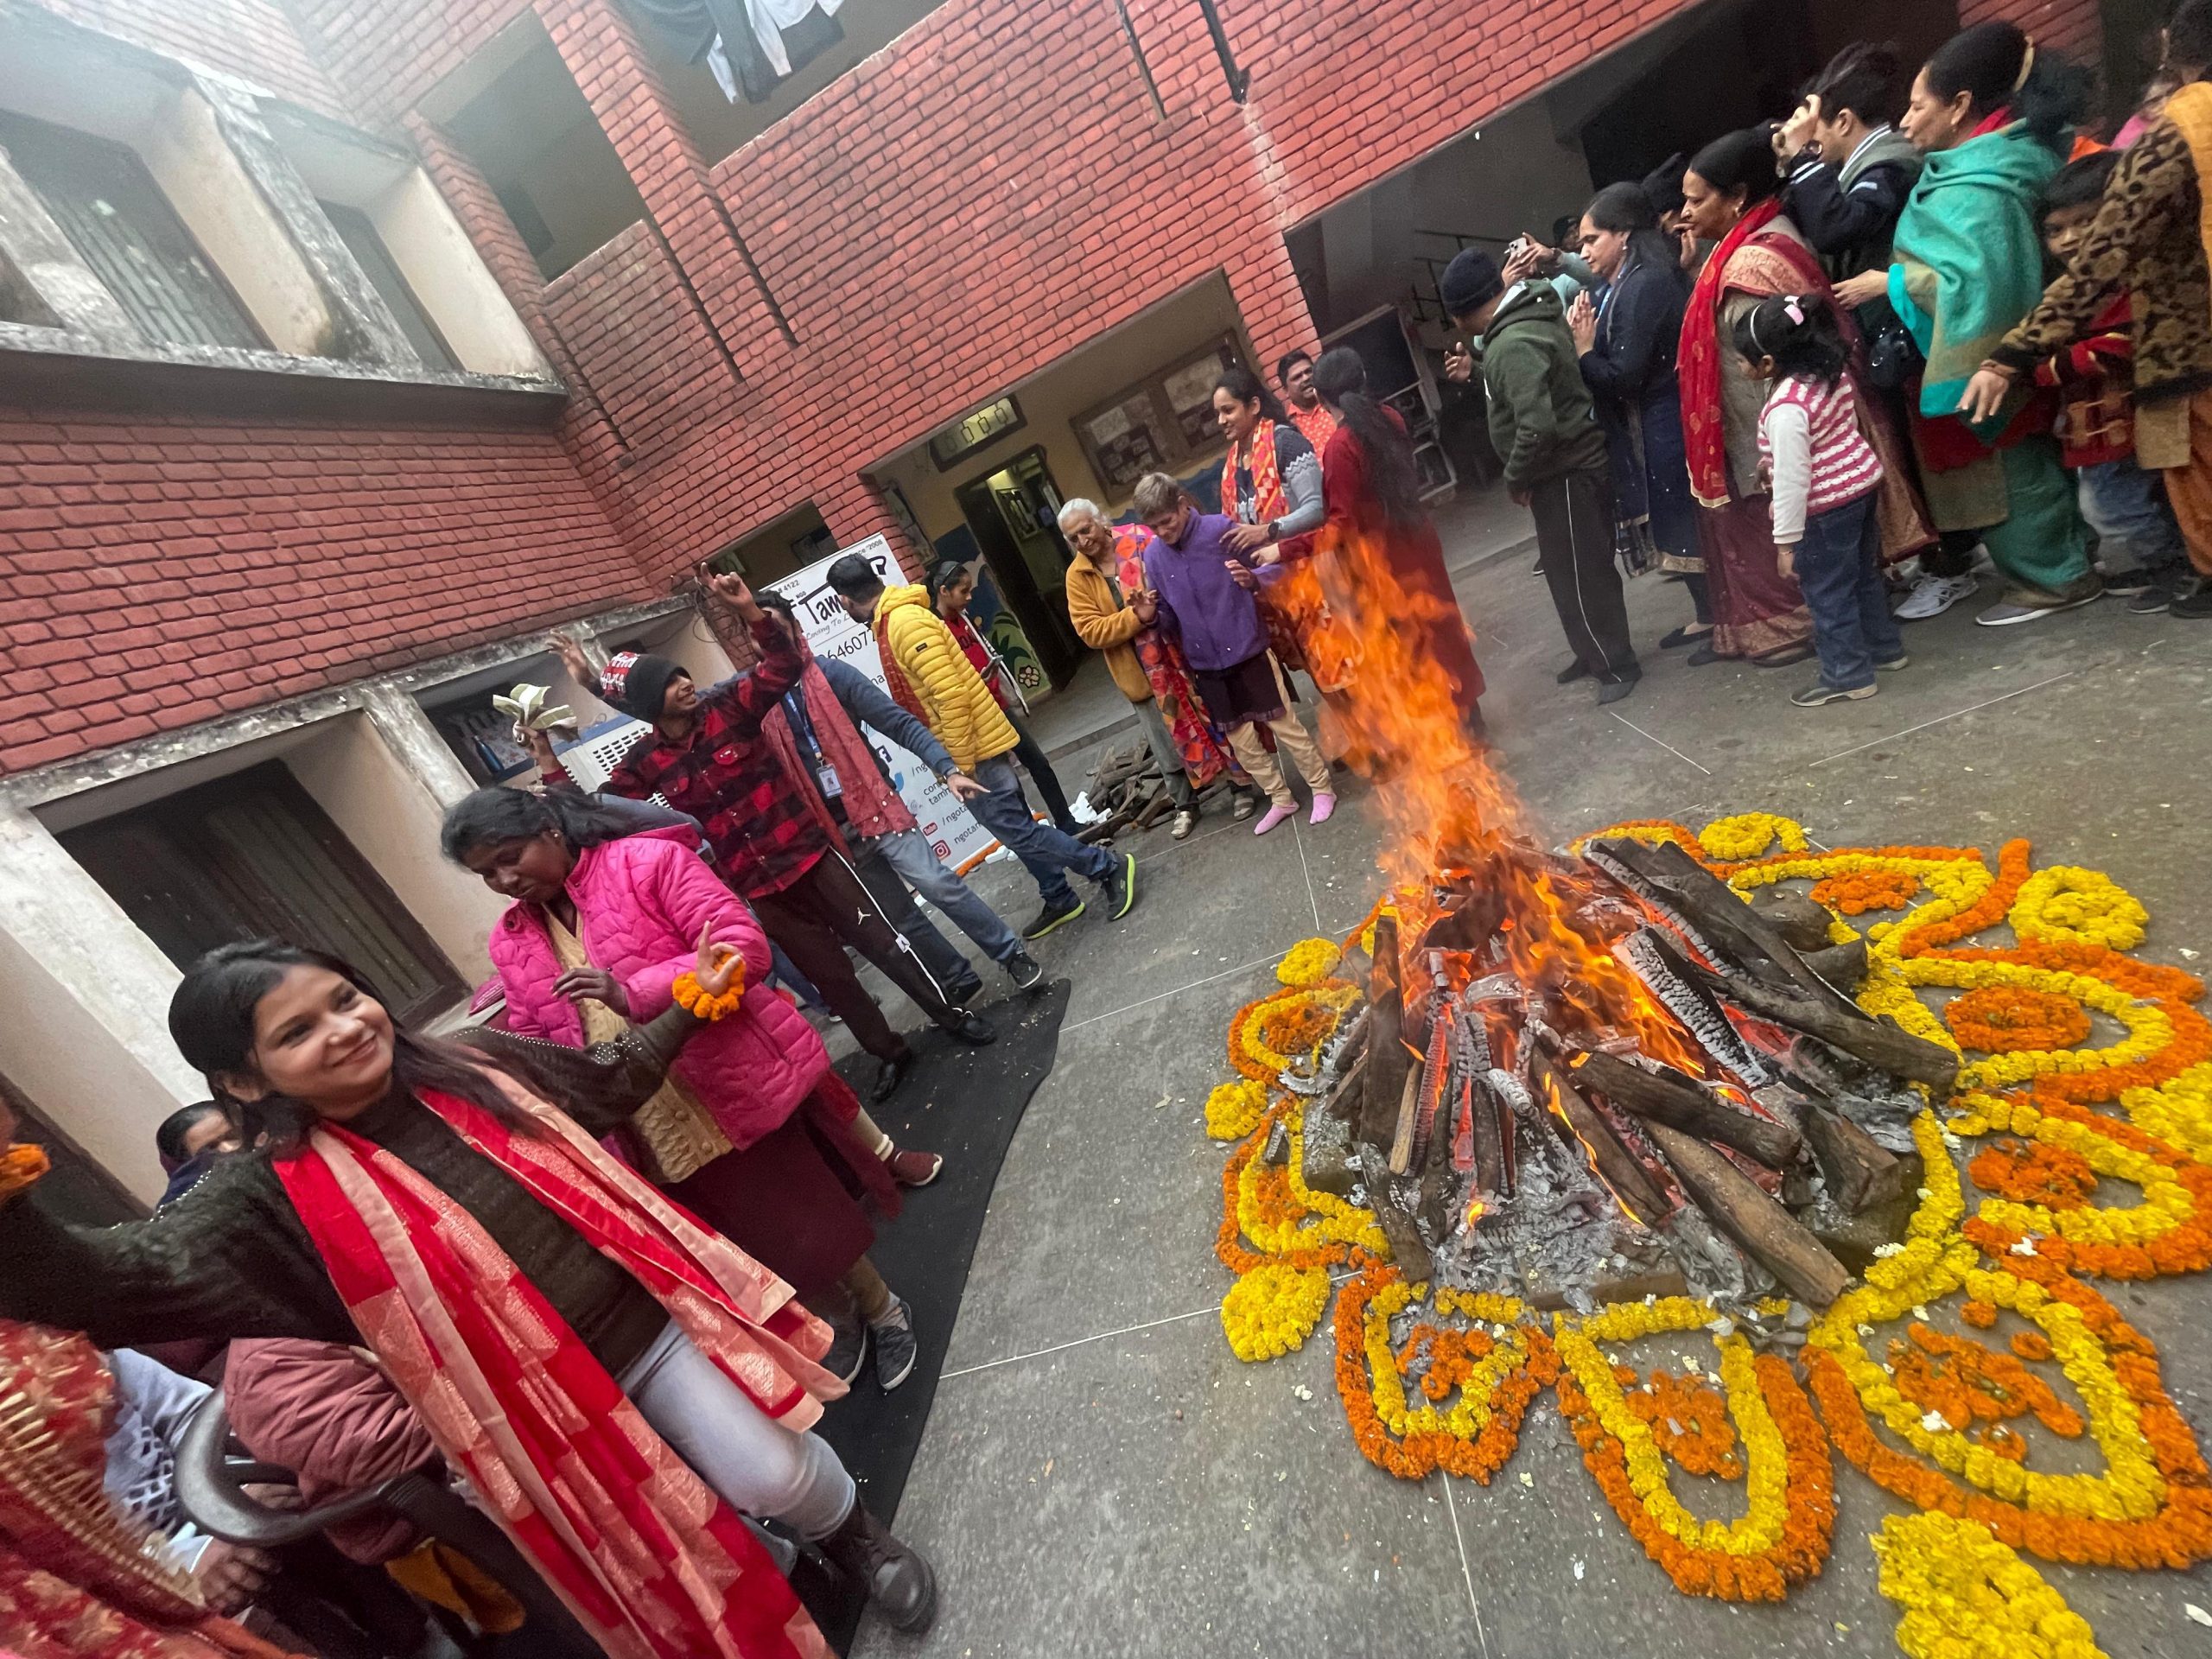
(872, 806)
(1705, 429)
(1268, 501)
(894, 677)
(651, 1563)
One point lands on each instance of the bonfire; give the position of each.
(1588, 1075)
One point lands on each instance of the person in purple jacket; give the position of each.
(1202, 596)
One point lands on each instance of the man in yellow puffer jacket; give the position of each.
(928, 672)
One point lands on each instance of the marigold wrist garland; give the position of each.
(701, 1004)
(21, 1163)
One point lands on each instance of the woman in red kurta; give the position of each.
(1382, 548)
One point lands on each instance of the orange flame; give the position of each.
(1442, 790)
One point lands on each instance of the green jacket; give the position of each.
(1541, 420)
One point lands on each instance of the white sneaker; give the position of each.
(1186, 822)
(1933, 595)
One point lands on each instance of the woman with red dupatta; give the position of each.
(78, 1579)
(1271, 487)
(614, 1380)
(1731, 197)
(1199, 737)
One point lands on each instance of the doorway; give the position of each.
(1014, 511)
(253, 855)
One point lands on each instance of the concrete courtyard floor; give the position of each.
(1100, 1476)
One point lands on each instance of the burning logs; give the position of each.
(1387, 1055)
(1882, 1044)
(1665, 1096)
(1758, 1224)
(1616, 1164)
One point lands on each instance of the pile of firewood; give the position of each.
(1508, 1137)
(1127, 790)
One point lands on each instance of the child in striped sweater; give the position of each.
(1826, 477)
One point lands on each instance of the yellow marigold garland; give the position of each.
(1272, 1309)
(2078, 906)
(1309, 962)
(1732, 840)
(1966, 1596)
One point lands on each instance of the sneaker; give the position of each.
(896, 1349)
(2030, 605)
(1820, 692)
(1894, 664)
(2126, 584)
(1053, 916)
(1027, 976)
(847, 1351)
(1933, 595)
(2193, 603)
(961, 995)
(1186, 821)
(913, 1169)
(2153, 599)
(1120, 886)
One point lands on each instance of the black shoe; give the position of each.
(2128, 583)
(895, 1347)
(1704, 655)
(1119, 886)
(1027, 976)
(2151, 600)
(972, 1030)
(961, 995)
(1053, 916)
(888, 1076)
(2193, 603)
(1684, 635)
(1574, 671)
(1614, 690)
(847, 1351)
(893, 1575)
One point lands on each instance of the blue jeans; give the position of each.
(1838, 569)
(908, 852)
(2125, 503)
(1044, 852)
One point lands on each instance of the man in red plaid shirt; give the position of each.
(707, 756)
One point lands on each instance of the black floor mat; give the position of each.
(966, 1103)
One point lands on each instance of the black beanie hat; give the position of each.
(637, 682)
(1470, 280)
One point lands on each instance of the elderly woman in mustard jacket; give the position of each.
(1146, 668)
(926, 671)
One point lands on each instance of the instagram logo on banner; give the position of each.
(943, 850)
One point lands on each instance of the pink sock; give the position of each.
(1323, 805)
(1271, 817)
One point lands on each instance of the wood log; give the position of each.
(1401, 1135)
(1616, 1166)
(1746, 939)
(1858, 1173)
(1387, 1059)
(1681, 1102)
(1795, 916)
(1407, 1248)
(1842, 966)
(1489, 1130)
(1343, 1100)
(1883, 1044)
(1762, 1227)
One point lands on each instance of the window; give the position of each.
(107, 204)
(359, 234)
(251, 855)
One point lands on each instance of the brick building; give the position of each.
(346, 345)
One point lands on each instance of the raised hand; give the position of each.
(1460, 364)
(719, 967)
(1582, 323)
(573, 658)
(1796, 133)
(730, 587)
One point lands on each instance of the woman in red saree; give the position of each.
(77, 1578)
(1271, 487)
(615, 1380)
(1379, 538)
(1731, 197)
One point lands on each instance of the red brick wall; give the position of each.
(2074, 26)
(158, 574)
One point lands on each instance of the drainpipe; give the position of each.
(1240, 80)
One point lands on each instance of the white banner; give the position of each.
(955, 837)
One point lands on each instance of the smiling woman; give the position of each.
(549, 1315)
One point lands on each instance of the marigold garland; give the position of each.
(1442, 1379)
(696, 1000)
(1966, 1596)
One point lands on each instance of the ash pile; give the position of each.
(1582, 1080)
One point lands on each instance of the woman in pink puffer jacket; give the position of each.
(755, 1133)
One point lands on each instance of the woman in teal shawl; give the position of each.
(1994, 116)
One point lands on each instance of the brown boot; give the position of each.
(894, 1575)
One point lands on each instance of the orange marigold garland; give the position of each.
(1998, 1019)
